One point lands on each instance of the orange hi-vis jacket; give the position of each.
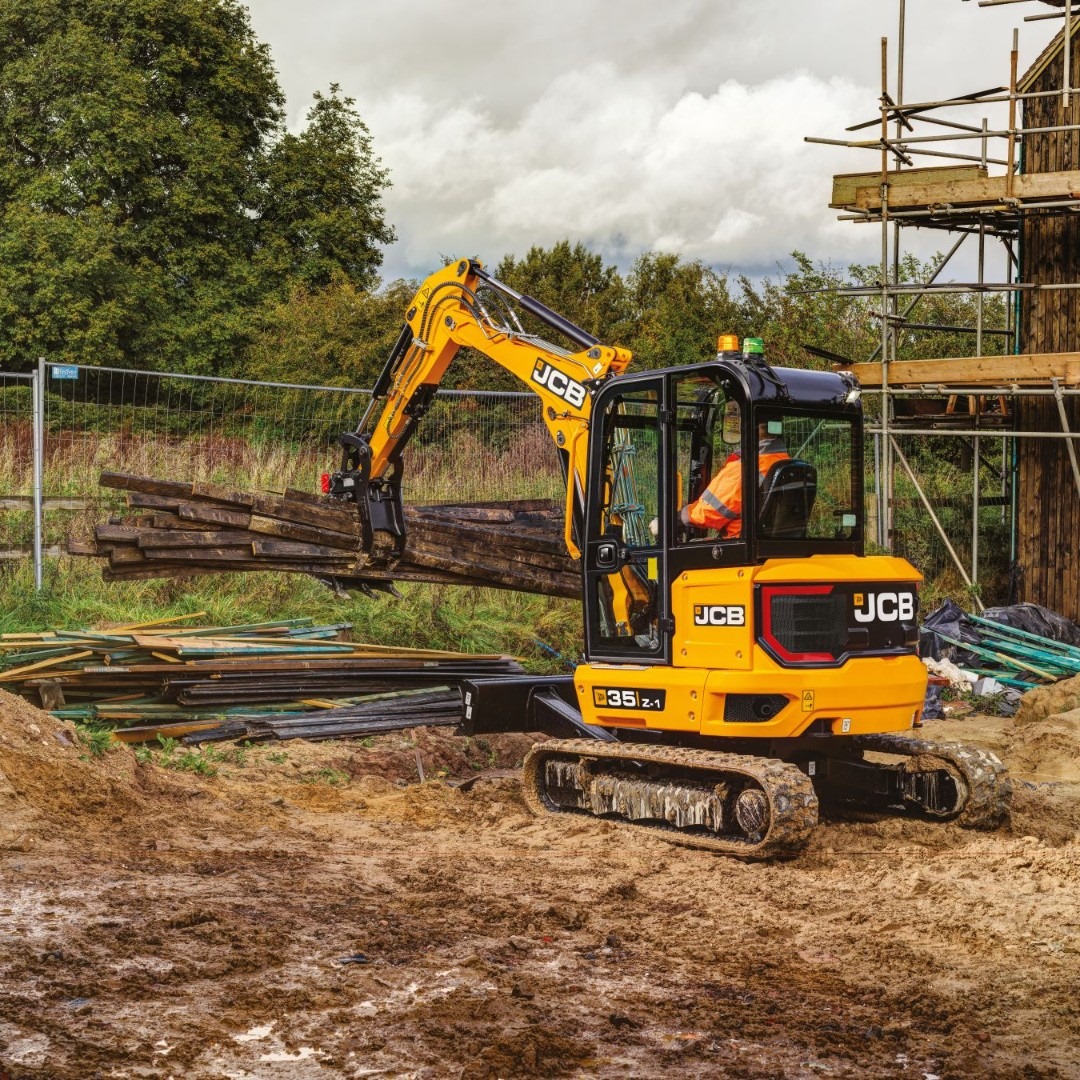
(720, 505)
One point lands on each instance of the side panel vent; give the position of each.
(752, 708)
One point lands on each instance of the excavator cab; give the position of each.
(773, 464)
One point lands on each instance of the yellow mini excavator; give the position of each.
(734, 678)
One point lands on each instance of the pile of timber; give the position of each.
(275, 680)
(179, 529)
(374, 714)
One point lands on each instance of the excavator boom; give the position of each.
(463, 306)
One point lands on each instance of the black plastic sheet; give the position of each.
(1036, 620)
(951, 619)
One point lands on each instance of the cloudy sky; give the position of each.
(630, 125)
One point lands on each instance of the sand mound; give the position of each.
(1045, 701)
(1044, 744)
(52, 787)
(1048, 748)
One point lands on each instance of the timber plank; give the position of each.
(291, 530)
(1047, 185)
(846, 185)
(145, 484)
(214, 515)
(976, 370)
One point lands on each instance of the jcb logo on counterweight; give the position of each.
(719, 615)
(573, 393)
(884, 607)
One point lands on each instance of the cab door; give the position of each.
(627, 616)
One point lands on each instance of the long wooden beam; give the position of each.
(1048, 185)
(1004, 371)
(846, 185)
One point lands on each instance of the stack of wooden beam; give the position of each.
(374, 714)
(286, 679)
(179, 529)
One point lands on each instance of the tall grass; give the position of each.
(463, 468)
(426, 616)
(465, 454)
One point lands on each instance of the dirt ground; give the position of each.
(315, 911)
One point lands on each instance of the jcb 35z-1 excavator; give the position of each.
(743, 657)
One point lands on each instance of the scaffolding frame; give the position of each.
(999, 219)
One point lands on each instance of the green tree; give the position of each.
(320, 211)
(137, 221)
(804, 307)
(573, 281)
(338, 335)
(676, 311)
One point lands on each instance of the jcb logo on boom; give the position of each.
(719, 615)
(884, 607)
(559, 384)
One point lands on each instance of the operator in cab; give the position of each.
(720, 504)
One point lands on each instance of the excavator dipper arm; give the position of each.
(463, 306)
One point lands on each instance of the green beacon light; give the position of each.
(753, 346)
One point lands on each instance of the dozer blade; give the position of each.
(946, 781)
(757, 808)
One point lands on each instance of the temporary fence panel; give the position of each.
(471, 446)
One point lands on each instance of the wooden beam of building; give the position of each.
(1020, 370)
(846, 185)
(1047, 185)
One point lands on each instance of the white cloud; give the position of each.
(630, 126)
(623, 163)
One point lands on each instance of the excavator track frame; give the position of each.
(986, 784)
(792, 805)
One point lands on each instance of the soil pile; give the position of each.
(314, 911)
(53, 786)
(1045, 742)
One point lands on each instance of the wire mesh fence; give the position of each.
(16, 434)
(979, 535)
(245, 435)
(16, 465)
(471, 446)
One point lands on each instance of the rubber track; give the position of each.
(793, 805)
(989, 787)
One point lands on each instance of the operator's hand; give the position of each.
(654, 528)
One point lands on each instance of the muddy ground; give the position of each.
(315, 911)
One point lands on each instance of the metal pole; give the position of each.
(878, 528)
(1011, 330)
(975, 493)
(937, 524)
(1011, 154)
(1067, 75)
(884, 501)
(1065, 428)
(38, 400)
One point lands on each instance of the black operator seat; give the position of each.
(787, 498)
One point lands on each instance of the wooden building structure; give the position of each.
(1022, 188)
(1048, 500)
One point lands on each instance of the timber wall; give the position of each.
(1048, 508)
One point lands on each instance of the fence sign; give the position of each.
(64, 371)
